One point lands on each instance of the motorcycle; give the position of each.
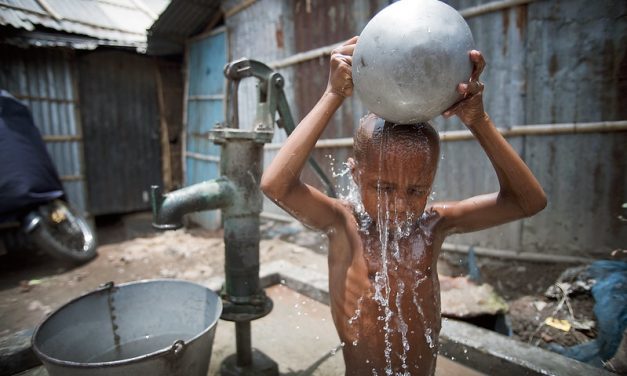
(34, 211)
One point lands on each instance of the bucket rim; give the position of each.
(154, 354)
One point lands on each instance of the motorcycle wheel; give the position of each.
(59, 230)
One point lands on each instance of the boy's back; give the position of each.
(383, 249)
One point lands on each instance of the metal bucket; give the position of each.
(156, 327)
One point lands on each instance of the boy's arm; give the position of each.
(520, 194)
(281, 180)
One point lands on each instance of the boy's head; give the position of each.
(394, 166)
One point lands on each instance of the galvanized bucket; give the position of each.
(155, 327)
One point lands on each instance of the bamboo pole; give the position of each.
(493, 6)
(39, 98)
(515, 131)
(481, 251)
(208, 97)
(238, 8)
(166, 163)
(71, 177)
(185, 108)
(202, 157)
(62, 138)
(513, 255)
(304, 56)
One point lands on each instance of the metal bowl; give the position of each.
(410, 58)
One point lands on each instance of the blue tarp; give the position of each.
(27, 175)
(610, 309)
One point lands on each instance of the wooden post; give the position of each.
(166, 164)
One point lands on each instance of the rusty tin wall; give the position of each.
(548, 62)
(551, 62)
(576, 71)
(44, 79)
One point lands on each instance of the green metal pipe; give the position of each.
(242, 163)
(168, 210)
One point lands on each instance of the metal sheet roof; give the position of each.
(123, 22)
(179, 21)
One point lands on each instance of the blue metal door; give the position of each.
(205, 108)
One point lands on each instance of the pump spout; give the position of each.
(168, 210)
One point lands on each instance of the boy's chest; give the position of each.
(401, 258)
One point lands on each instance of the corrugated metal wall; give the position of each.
(44, 79)
(552, 62)
(120, 118)
(548, 62)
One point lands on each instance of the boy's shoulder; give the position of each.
(427, 225)
(430, 216)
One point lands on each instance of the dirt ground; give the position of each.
(33, 285)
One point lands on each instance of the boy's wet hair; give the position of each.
(374, 133)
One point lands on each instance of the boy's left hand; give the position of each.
(470, 108)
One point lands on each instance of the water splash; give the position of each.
(432, 196)
(390, 228)
(357, 311)
(402, 326)
(351, 195)
(382, 282)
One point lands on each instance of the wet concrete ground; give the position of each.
(299, 335)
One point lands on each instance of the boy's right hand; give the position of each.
(470, 108)
(340, 75)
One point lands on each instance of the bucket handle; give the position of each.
(177, 347)
(106, 285)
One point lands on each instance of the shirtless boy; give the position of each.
(383, 284)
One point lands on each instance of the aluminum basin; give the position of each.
(153, 327)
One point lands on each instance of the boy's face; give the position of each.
(397, 182)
